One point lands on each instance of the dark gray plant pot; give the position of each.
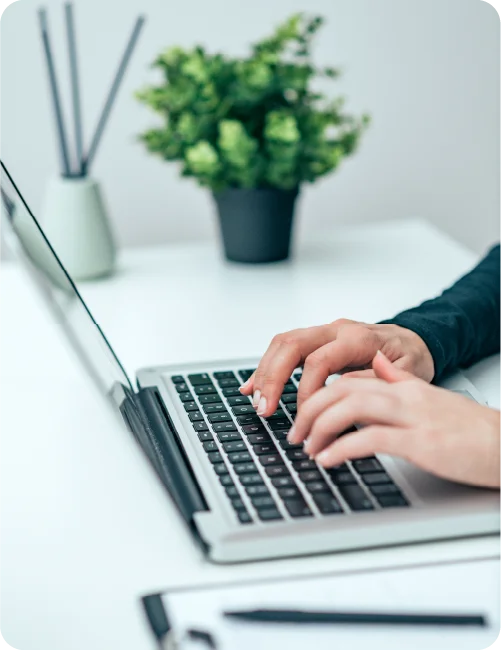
(256, 224)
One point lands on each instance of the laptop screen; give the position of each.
(26, 239)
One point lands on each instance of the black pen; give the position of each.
(354, 618)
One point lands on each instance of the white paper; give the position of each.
(463, 587)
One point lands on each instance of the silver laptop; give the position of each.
(244, 492)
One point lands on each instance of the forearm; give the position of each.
(462, 325)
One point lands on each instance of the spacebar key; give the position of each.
(355, 497)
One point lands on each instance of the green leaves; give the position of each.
(253, 122)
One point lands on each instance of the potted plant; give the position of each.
(252, 130)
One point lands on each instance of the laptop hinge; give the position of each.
(146, 416)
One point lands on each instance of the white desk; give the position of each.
(86, 528)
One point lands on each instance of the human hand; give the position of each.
(328, 349)
(437, 430)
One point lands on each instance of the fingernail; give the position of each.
(244, 386)
(292, 434)
(256, 397)
(306, 444)
(322, 458)
(261, 406)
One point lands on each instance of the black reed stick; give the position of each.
(112, 94)
(56, 102)
(75, 90)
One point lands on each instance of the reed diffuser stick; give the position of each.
(56, 102)
(112, 94)
(75, 86)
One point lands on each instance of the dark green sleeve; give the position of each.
(461, 326)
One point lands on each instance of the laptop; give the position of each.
(244, 492)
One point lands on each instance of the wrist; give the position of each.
(424, 366)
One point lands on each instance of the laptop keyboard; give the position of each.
(266, 478)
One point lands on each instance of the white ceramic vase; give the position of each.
(75, 221)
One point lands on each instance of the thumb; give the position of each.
(388, 371)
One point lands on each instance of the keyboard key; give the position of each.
(248, 419)
(220, 417)
(215, 457)
(209, 399)
(257, 438)
(275, 425)
(376, 479)
(317, 486)
(232, 491)
(245, 468)
(269, 514)
(224, 374)
(271, 459)
(298, 376)
(257, 490)
(251, 479)
(327, 504)
(289, 398)
(210, 445)
(205, 389)
(186, 397)
(198, 380)
(282, 436)
(310, 475)
(224, 426)
(365, 465)
(289, 388)
(221, 470)
(283, 481)
(190, 406)
(343, 478)
(228, 436)
(205, 436)
(276, 470)
(239, 445)
(264, 449)
(177, 379)
(297, 508)
(239, 457)
(245, 374)
(285, 444)
(182, 387)
(291, 408)
(238, 504)
(382, 490)
(278, 415)
(195, 416)
(355, 497)
(246, 409)
(244, 517)
(253, 428)
(302, 465)
(393, 501)
(214, 408)
(231, 392)
(296, 454)
(229, 383)
(238, 401)
(225, 479)
(200, 426)
(263, 502)
(289, 492)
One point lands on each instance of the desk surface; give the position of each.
(86, 527)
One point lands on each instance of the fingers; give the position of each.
(354, 346)
(360, 374)
(326, 397)
(372, 408)
(388, 371)
(366, 442)
(285, 353)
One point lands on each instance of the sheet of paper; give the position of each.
(464, 587)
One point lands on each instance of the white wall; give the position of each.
(427, 70)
